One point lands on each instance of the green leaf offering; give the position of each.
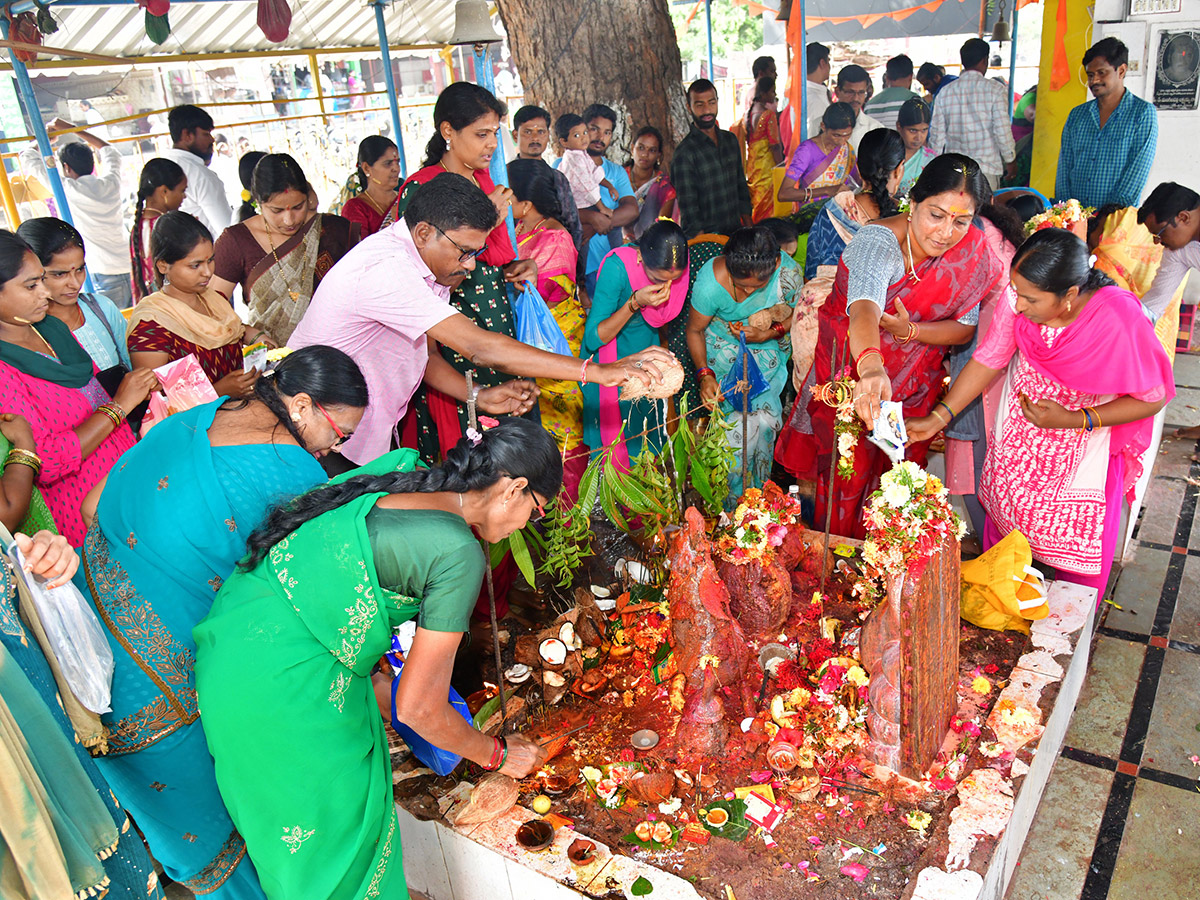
(735, 827)
(641, 887)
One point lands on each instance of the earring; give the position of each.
(1068, 307)
(505, 504)
(296, 417)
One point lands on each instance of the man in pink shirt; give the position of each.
(385, 300)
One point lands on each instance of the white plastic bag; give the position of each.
(75, 634)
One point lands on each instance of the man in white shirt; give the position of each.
(971, 116)
(191, 133)
(852, 86)
(96, 204)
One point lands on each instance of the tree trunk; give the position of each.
(621, 53)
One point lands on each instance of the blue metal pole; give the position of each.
(25, 86)
(803, 123)
(389, 82)
(712, 73)
(1012, 65)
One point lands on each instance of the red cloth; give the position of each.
(360, 211)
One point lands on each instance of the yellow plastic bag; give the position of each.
(1001, 590)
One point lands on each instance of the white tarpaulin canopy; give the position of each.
(117, 27)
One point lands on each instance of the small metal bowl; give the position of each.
(537, 834)
(644, 739)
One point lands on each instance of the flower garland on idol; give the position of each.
(759, 525)
(1060, 215)
(907, 520)
(847, 426)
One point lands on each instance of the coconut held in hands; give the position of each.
(672, 373)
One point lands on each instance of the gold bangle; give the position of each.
(19, 457)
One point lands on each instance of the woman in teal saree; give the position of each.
(170, 526)
(284, 660)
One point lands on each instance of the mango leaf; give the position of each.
(633, 494)
(609, 504)
(496, 552)
(522, 557)
(589, 485)
(701, 483)
(486, 712)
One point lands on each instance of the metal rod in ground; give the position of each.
(487, 569)
(745, 412)
(473, 425)
(833, 458)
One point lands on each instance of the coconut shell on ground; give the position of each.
(672, 373)
(491, 798)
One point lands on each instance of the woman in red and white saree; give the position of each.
(1085, 377)
(906, 289)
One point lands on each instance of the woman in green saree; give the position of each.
(284, 660)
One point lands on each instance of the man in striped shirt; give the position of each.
(897, 89)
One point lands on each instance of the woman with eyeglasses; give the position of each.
(284, 660)
(466, 120)
(170, 525)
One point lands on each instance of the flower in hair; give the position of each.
(487, 423)
(245, 196)
(474, 436)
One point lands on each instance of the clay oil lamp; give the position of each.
(535, 835)
(581, 852)
(557, 785)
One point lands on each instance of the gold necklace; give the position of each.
(44, 341)
(295, 295)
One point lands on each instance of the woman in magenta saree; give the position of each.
(922, 277)
(1085, 377)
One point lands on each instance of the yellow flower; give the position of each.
(981, 685)
(856, 675)
(918, 820)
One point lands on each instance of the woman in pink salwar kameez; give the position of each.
(1085, 377)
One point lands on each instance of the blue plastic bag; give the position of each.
(441, 761)
(536, 325)
(730, 389)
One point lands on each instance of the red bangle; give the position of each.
(583, 371)
(494, 761)
(779, 328)
(858, 360)
(700, 373)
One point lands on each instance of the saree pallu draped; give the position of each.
(1060, 487)
(651, 197)
(611, 411)
(561, 402)
(307, 625)
(1127, 254)
(440, 421)
(811, 167)
(281, 284)
(760, 164)
(171, 524)
(765, 412)
(54, 831)
(949, 287)
(130, 872)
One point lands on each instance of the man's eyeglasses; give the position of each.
(1158, 234)
(342, 437)
(464, 254)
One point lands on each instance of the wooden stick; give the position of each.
(745, 412)
(472, 425)
(833, 458)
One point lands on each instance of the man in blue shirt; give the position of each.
(1108, 143)
(613, 215)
